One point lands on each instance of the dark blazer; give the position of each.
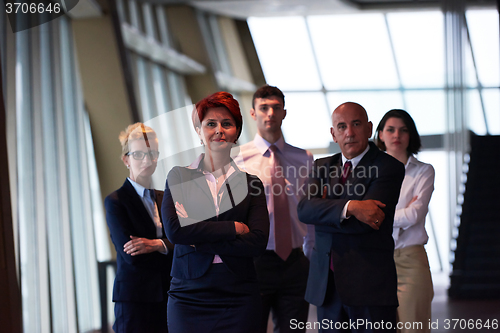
(145, 277)
(204, 234)
(365, 273)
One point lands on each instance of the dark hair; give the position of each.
(267, 91)
(219, 99)
(414, 145)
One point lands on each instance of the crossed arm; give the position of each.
(416, 210)
(246, 238)
(380, 193)
(123, 234)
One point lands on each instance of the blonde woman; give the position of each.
(144, 255)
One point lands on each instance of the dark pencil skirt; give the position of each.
(215, 302)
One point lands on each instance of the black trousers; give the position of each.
(282, 287)
(336, 316)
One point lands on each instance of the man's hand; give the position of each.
(138, 245)
(367, 211)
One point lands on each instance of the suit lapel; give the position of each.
(159, 200)
(137, 206)
(363, 167)
(235, 189)
(336, 169)
(201, 182)
(334, 174)
(234, 182)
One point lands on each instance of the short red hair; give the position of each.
(219, 99)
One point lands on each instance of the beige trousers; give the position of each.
(415, 290)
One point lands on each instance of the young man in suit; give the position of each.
(282, 270)
(351, 199)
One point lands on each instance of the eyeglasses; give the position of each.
(139, 155)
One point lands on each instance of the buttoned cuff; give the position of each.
(344, 212)
(165, 249)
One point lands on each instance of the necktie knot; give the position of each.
(150, 194)
(274, 156)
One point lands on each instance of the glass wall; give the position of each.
(158, 81)
(159, 73)
(483, 72)
(54, 197)
(382, 61)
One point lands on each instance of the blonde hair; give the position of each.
(137, 131)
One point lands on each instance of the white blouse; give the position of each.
(409, 221)
(212, 184)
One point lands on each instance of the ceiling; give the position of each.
(246, 8)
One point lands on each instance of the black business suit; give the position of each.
(364, 271)
(142, 281)
(207, 296)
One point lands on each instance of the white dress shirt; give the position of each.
(409, 221)
(152, 209)
(212, 184)
(354, 161)
(297, 163)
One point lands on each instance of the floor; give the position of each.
(447, 315)
(457, 312)
(452, 315)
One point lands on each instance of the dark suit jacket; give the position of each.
(142, 278)
(198, 238)
(365, 274)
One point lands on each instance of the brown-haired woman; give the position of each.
(398, 135)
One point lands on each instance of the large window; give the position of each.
(483, 71)
(382, 61)
(54, 194)
(159, 85)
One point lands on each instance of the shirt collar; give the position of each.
(196, 164)
(355, 160)
(138, 187)
(263, 145)
(411, 160)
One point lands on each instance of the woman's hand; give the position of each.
(138, 245)
(412, 200)
(181, 212)
(241, 228)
